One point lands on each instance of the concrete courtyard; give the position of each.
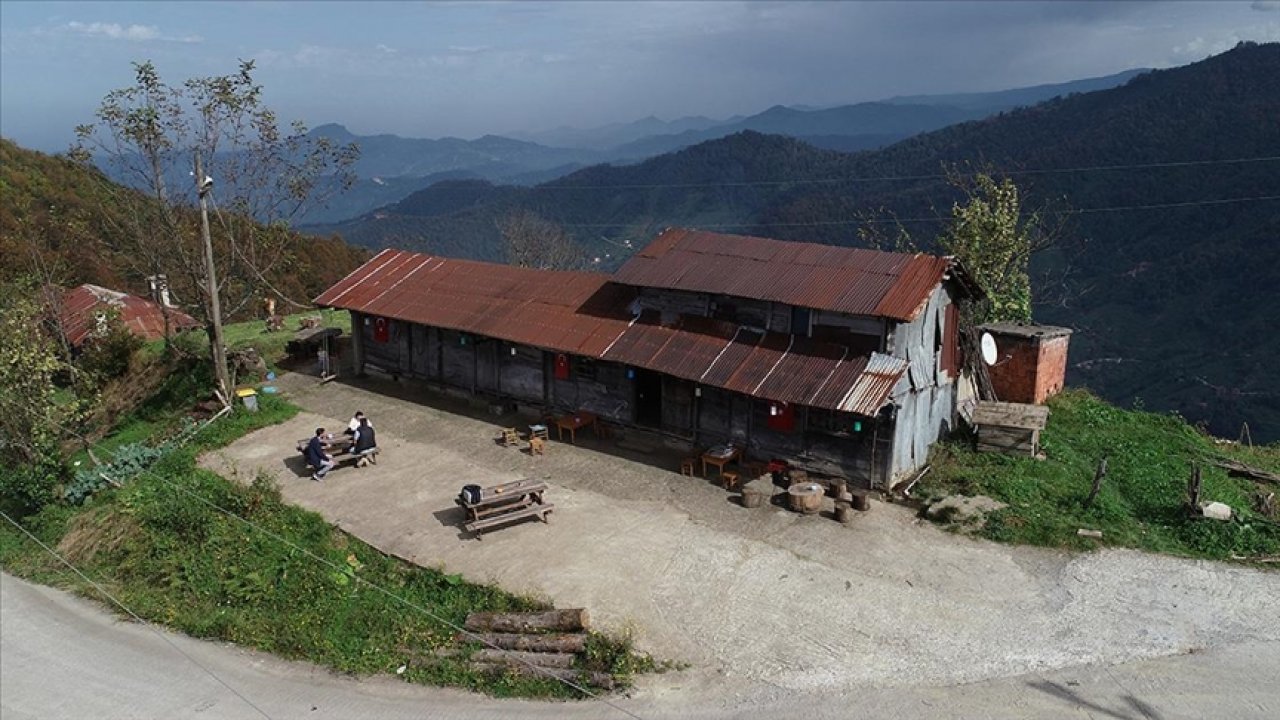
(761, 602)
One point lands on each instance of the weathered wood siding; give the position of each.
(457, 361)
(671, 304)
(602, 388)
(384, 356)
(859, 324)
(674, 303)
(522, 372)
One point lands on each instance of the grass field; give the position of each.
(254, 333)
(1140, 505)
(228, 560)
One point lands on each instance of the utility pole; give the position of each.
(203, 186)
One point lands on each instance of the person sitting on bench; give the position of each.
(355, 424)
(365, 443)
(317, 457)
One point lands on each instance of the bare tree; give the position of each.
(209, 145)
(533, 241)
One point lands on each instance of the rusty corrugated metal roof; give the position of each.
(585, 314)
(873, 384)
(79, 308)
(848, 280)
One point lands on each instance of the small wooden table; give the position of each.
(719, 458)
(501, 504)
(573, 423)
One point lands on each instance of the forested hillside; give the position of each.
(1174, 304)
(60, 223)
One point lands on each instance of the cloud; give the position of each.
(386, 49)
(1266, 5)
(132, 33)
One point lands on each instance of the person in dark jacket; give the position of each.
(365, 443)
(317, 457)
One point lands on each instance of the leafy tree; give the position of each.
(991, 235)
(177, 143)
(994, 239)
(31, 411)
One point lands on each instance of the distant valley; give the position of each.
(392, 167)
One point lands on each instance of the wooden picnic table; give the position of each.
(720, 457)
(573, 423)
(333, 444)
(501, 504)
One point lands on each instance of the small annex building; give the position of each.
(842, 361)
(83, 311)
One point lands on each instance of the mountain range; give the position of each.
(391, 167)
(1169, 270)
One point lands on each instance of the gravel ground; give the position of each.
(759, 601)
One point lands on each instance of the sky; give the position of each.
(466, 69)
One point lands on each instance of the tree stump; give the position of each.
(844, 512)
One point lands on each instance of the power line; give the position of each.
(900, 178)
(133, 614)
(941, 218)
(408, 603)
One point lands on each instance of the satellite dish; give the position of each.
(989, 354)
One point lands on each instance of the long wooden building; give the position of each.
(843, 361)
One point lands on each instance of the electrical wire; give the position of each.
(536, 670)
(902, 178)
(943, 218)
(134, 615)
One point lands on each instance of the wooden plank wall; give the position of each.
(522, 373)
(458, 361)
(383, 355)
(608, 394)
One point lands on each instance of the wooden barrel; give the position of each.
(806, 497)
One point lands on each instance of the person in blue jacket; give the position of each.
(317, 457)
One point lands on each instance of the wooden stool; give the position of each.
(730, 480)
(686, 466)
(538, 431)
(537, 446)
(510, 437)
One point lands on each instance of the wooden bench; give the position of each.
(502, 504)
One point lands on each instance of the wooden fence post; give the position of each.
(1193, 489)
(1098, 474)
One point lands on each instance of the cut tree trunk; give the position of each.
(532, 643)
(557, 620)
(516, 657)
